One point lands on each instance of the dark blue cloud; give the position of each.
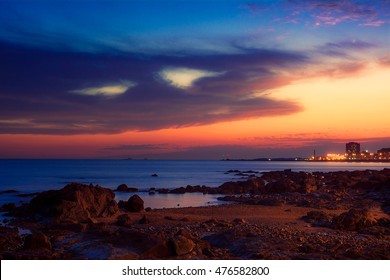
(38, 90)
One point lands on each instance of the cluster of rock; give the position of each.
(75, 203)
(322, 190)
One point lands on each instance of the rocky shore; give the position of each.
(276, 215)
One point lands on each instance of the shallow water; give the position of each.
(28, 176)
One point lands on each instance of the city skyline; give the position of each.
(192, 80)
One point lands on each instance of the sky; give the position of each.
(193, 79)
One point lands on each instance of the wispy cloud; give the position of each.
(185, 77)
(109, 90)
(364, 13)
(345, 48)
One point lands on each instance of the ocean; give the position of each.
(29, 176)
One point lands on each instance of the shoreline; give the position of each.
(278, 215)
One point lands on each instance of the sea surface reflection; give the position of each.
(173, 200)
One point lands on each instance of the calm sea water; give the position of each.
(29, 176)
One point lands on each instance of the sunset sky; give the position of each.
(192, 79)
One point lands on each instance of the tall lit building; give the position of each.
(352, 150)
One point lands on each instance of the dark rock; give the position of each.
(252, 186)
(384, 222)
(317, 218)
(148, 209)
(144, 220)
(125, 188)
(135, 204)
(74, 203)
(193, 189)
(122, 188)
(180, 190)
(7, 207)
(124, 220)
(354, 219)
(8, 191)
(182, 245)
(239, 221)
(162, 250)
(122, 204)
(186, 233)
(9, 239)
(154, 175)
(378, 231)
(163, 191)
(281, 186)
(37, 241)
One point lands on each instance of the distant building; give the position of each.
(366, 155)
(352, 150)
(384, 153)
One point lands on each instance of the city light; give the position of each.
(353, 152)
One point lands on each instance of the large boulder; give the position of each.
(354, 219)
(135, 204)
(75, 203)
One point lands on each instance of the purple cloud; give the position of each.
(365, 13)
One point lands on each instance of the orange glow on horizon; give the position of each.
(353, 107)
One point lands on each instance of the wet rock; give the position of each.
(354, 219)
(37, 241)
(74, 203)
(135, 204)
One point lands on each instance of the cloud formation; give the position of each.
(197, 89)
(185, 77)
(109, 90)
(333, 12)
